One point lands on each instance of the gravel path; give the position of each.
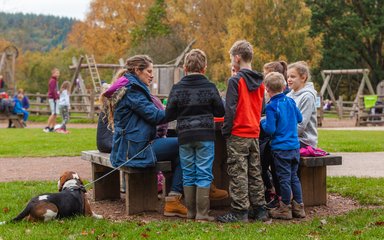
(28, 169)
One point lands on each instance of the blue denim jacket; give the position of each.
(135, 120)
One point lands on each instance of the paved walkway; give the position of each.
(359, 165)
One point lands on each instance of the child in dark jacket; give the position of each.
(282, 117)
(194, 101)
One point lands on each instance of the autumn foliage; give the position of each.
(278, 30)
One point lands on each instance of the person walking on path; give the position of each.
(53, 97)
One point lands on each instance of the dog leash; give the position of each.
(118, 167)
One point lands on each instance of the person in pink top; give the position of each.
(53, 97)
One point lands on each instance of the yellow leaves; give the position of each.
(106, 30)
(278, 29)
(3, 44)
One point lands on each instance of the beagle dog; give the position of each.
(69, 201)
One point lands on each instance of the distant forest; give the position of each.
(35, 32)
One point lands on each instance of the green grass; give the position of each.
(33, 142)
(330, 115)
(361, 224)
(351, 141)
(367, 191)
(73, 119)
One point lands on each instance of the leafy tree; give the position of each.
(107, 30)
(155, 23)
(3, 44)
(206, 22)
(156, 37)
(353, 32)
(277, 29)
(34, 68)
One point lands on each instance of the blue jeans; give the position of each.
(286, 164)
(167, 149)
(196, 160)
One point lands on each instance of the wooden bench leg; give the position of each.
(109, 186)
(168, 176)
(141, 192)
(314, 185)
(17, 123)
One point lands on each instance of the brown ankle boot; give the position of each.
(173, 207)
(217, 194)
(282, 212)
(298, 210)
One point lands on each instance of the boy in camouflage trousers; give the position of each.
(241, 129)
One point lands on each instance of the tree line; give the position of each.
(327, 34)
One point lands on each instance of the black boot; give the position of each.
(259, 213)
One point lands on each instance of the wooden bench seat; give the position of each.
(16, 119)
(313, 177)
(141, 183)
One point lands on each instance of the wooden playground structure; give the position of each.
(356, 108)
(84, 100)
(7, 66)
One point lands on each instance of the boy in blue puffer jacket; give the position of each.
(282, 117)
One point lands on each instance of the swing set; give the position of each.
(330, 76)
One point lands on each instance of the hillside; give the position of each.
(34, 32)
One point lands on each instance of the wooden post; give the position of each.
(340, 107)
(325, 84)
(92, 106)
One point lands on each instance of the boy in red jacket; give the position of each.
(241, 129)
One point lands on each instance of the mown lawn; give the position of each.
(359, 224)
(33, 142)
(351, 141)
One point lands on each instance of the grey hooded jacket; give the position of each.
(305, 100)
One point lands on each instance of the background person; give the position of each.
(53, 97)
(64, 105)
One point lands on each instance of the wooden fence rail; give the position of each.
(79, 109)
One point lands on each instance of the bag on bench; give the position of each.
(6, 106)
(309, 151)
(104, 135)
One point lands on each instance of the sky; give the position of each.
(62, 8)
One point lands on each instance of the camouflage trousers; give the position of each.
(246, 186)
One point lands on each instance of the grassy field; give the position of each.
(351, 141)
(33, 142)
(74, 118)
(359, 224)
